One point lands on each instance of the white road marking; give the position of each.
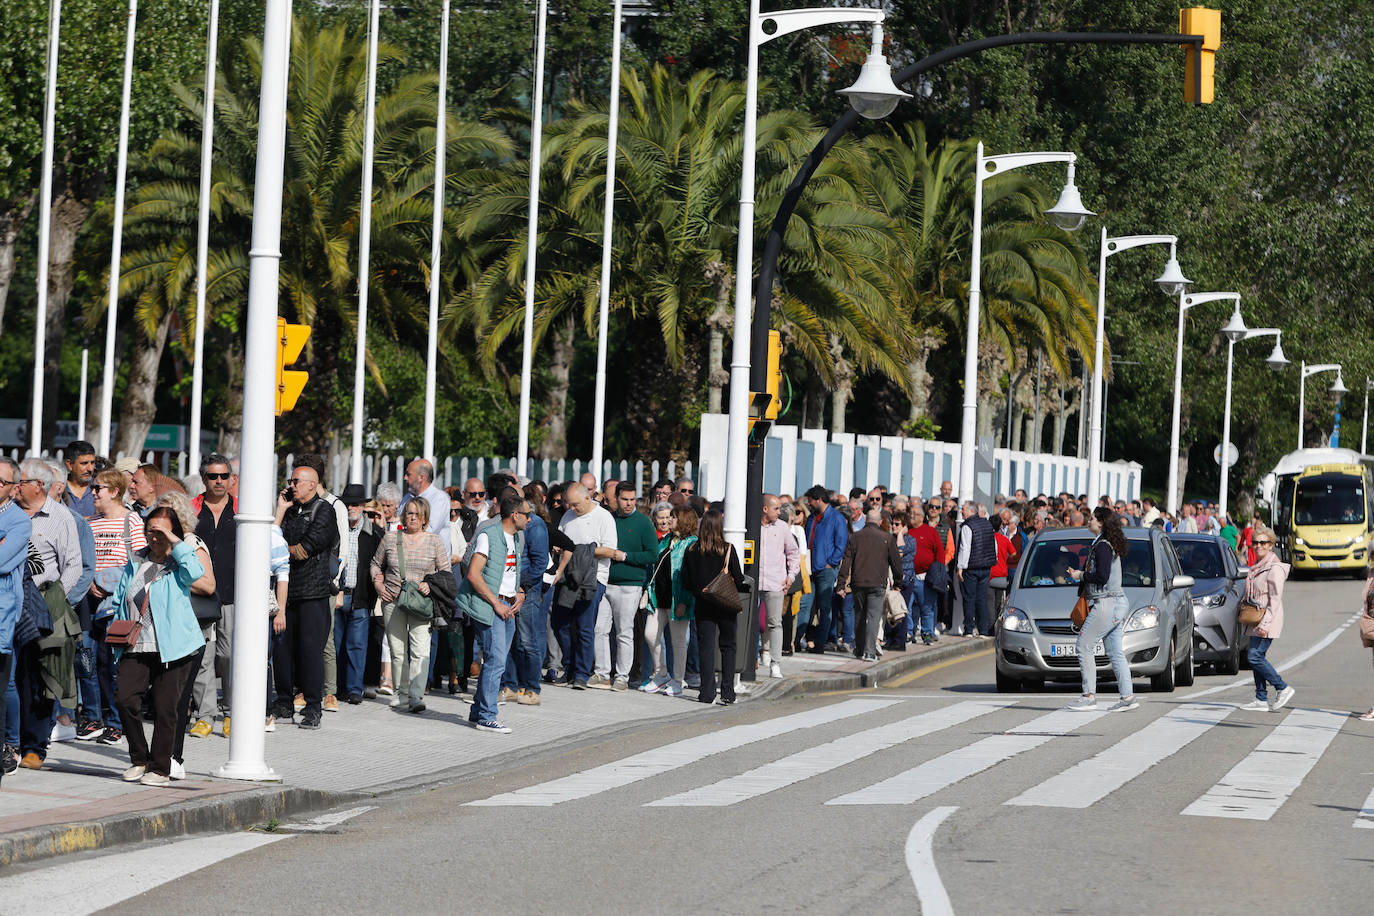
(920, 861)
(1260, 784)
(1293, 662)
(326, 821)
(1366, 816)
(1091, 780)
(77, 887)
(934, 775)
(678, 754)
(816, 760)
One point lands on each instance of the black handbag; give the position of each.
(721, 589)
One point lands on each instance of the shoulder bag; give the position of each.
(416, 606)
(1082, 607)
(123, 634)
(1249, 612)
(894, 609)
(722, 588)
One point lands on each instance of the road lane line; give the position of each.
(1366, 816)
(920, 861)
(934, 775)
(326, 821)
(1260, 784)
(671, 756)
(821, 759)
(1293, 662)
(1089, 781)
(87, 885)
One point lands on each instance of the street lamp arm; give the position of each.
(1324, 367)
(1125, 242)
(788, 21)
(995, 165)
(1263, 332)
(1202, 298)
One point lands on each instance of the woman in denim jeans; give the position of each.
(1101, 575)
(1264, 586)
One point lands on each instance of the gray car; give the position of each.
(1036, 640)
(1218, 585)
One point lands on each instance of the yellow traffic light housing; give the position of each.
(1200, 63)
(774, 382)
(291, 340)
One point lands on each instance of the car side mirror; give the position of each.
(1181, 582)
(1242, 572)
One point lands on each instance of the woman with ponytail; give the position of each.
(1101, 581)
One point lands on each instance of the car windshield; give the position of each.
(1200, 559)
(1048, 563)
(1329, 499)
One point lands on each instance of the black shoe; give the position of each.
(868, 657)
(9, 760)
(355, 699)
(89, 730)
(310, 719)
(110, 735)
(283, 712)
(579, 684)
(462, 685)
(726, 702)
(830, 647)
(786, 652)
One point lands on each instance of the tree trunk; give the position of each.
(844, 386)
(721, 317)
(139, 406)
(555, 444)
(11, 222)
(68, 215)
(231, 418)
(917, 370)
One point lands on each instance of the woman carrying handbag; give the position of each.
(708, 567)
(1264, 590)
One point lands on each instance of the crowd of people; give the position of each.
(117, 602)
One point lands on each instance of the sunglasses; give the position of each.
(687, 490)
(224, 476)
(1264, 543)
(475, 494)
(297, 481)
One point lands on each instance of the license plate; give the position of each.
(1328, 564)
(1070, 650)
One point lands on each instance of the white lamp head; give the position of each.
(1339, 388)
(873, 94)
(1235, 328)
(1068, 212)
(1277, 360)
(1172, 281)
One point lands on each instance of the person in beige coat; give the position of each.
(1264, 586)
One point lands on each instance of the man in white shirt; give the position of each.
(575, 608)
(420, 483)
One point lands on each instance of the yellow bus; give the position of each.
(1323, 511)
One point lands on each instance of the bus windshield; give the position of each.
(1329, 499)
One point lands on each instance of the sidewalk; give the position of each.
(78, 802)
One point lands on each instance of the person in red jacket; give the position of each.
(929, 551)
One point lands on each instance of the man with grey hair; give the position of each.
(779, 562)
(977, 555)
(420, 483)
(869, 558)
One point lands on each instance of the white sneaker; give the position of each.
(62, 732)
(1124, 704)
(271, 725)
(1282, 699)
(1083, 704)
(775, 670)
(672, 689)
(1255, 705)
(178, 769)
(654, 685)
(765, 660)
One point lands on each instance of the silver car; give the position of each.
(1218, 585)
(1036, 641)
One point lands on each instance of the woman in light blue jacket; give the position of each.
(155, 590)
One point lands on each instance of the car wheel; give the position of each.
(1007, 684)
(1184, 675)
(1035, 685)
(1163, 682)
(1231, 664)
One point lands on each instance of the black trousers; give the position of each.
(184, 703)
(637, 674)
(35, 707)
(868, 614)
(716, 628)
(299, 659)
(139, 673)
(372, 667)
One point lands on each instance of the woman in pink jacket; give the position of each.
(1264, 586)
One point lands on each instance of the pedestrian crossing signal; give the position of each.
(291, 340)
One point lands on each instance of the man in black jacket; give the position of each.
(312, 536)
(353, 606)
(870, 561)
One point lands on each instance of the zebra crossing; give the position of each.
(1255, 788)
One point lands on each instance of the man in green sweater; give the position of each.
(637, 544)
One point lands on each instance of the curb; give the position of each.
(874, 676)
(235, 811)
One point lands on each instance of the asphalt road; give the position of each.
(937, 792)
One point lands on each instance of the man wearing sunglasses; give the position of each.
(215, 511)
(475, 499)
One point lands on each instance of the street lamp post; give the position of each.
(531, 244)
(874, 95)
(1172, 282)
(436, 240)
(1068, 213)
(1185, 302)
(1234, 332)
(364, 245)
(1337, 388)
(40, 321)
(207, 136)
(1364, 424)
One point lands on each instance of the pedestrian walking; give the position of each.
(778, 565)
(1100, 580)
(1264, 587)
(870, 563)
(716, 621)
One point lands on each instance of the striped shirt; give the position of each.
(425, 554)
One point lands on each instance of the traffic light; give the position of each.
(774, 382)
(1200, 63)
(291, 340)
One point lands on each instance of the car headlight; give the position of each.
(1300, 542)
(1216, 599)
(1143, 619)
(1016, 621)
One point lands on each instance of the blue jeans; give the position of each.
(495, 643)
(977, 614)
(1105, 621)
(350, 645)
(844, 626)
(575, 628)
(1261, 668)
(803, 617)
(87, 680)
(529, 645)
(12, 708)
(823, 591)
(927, 601)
